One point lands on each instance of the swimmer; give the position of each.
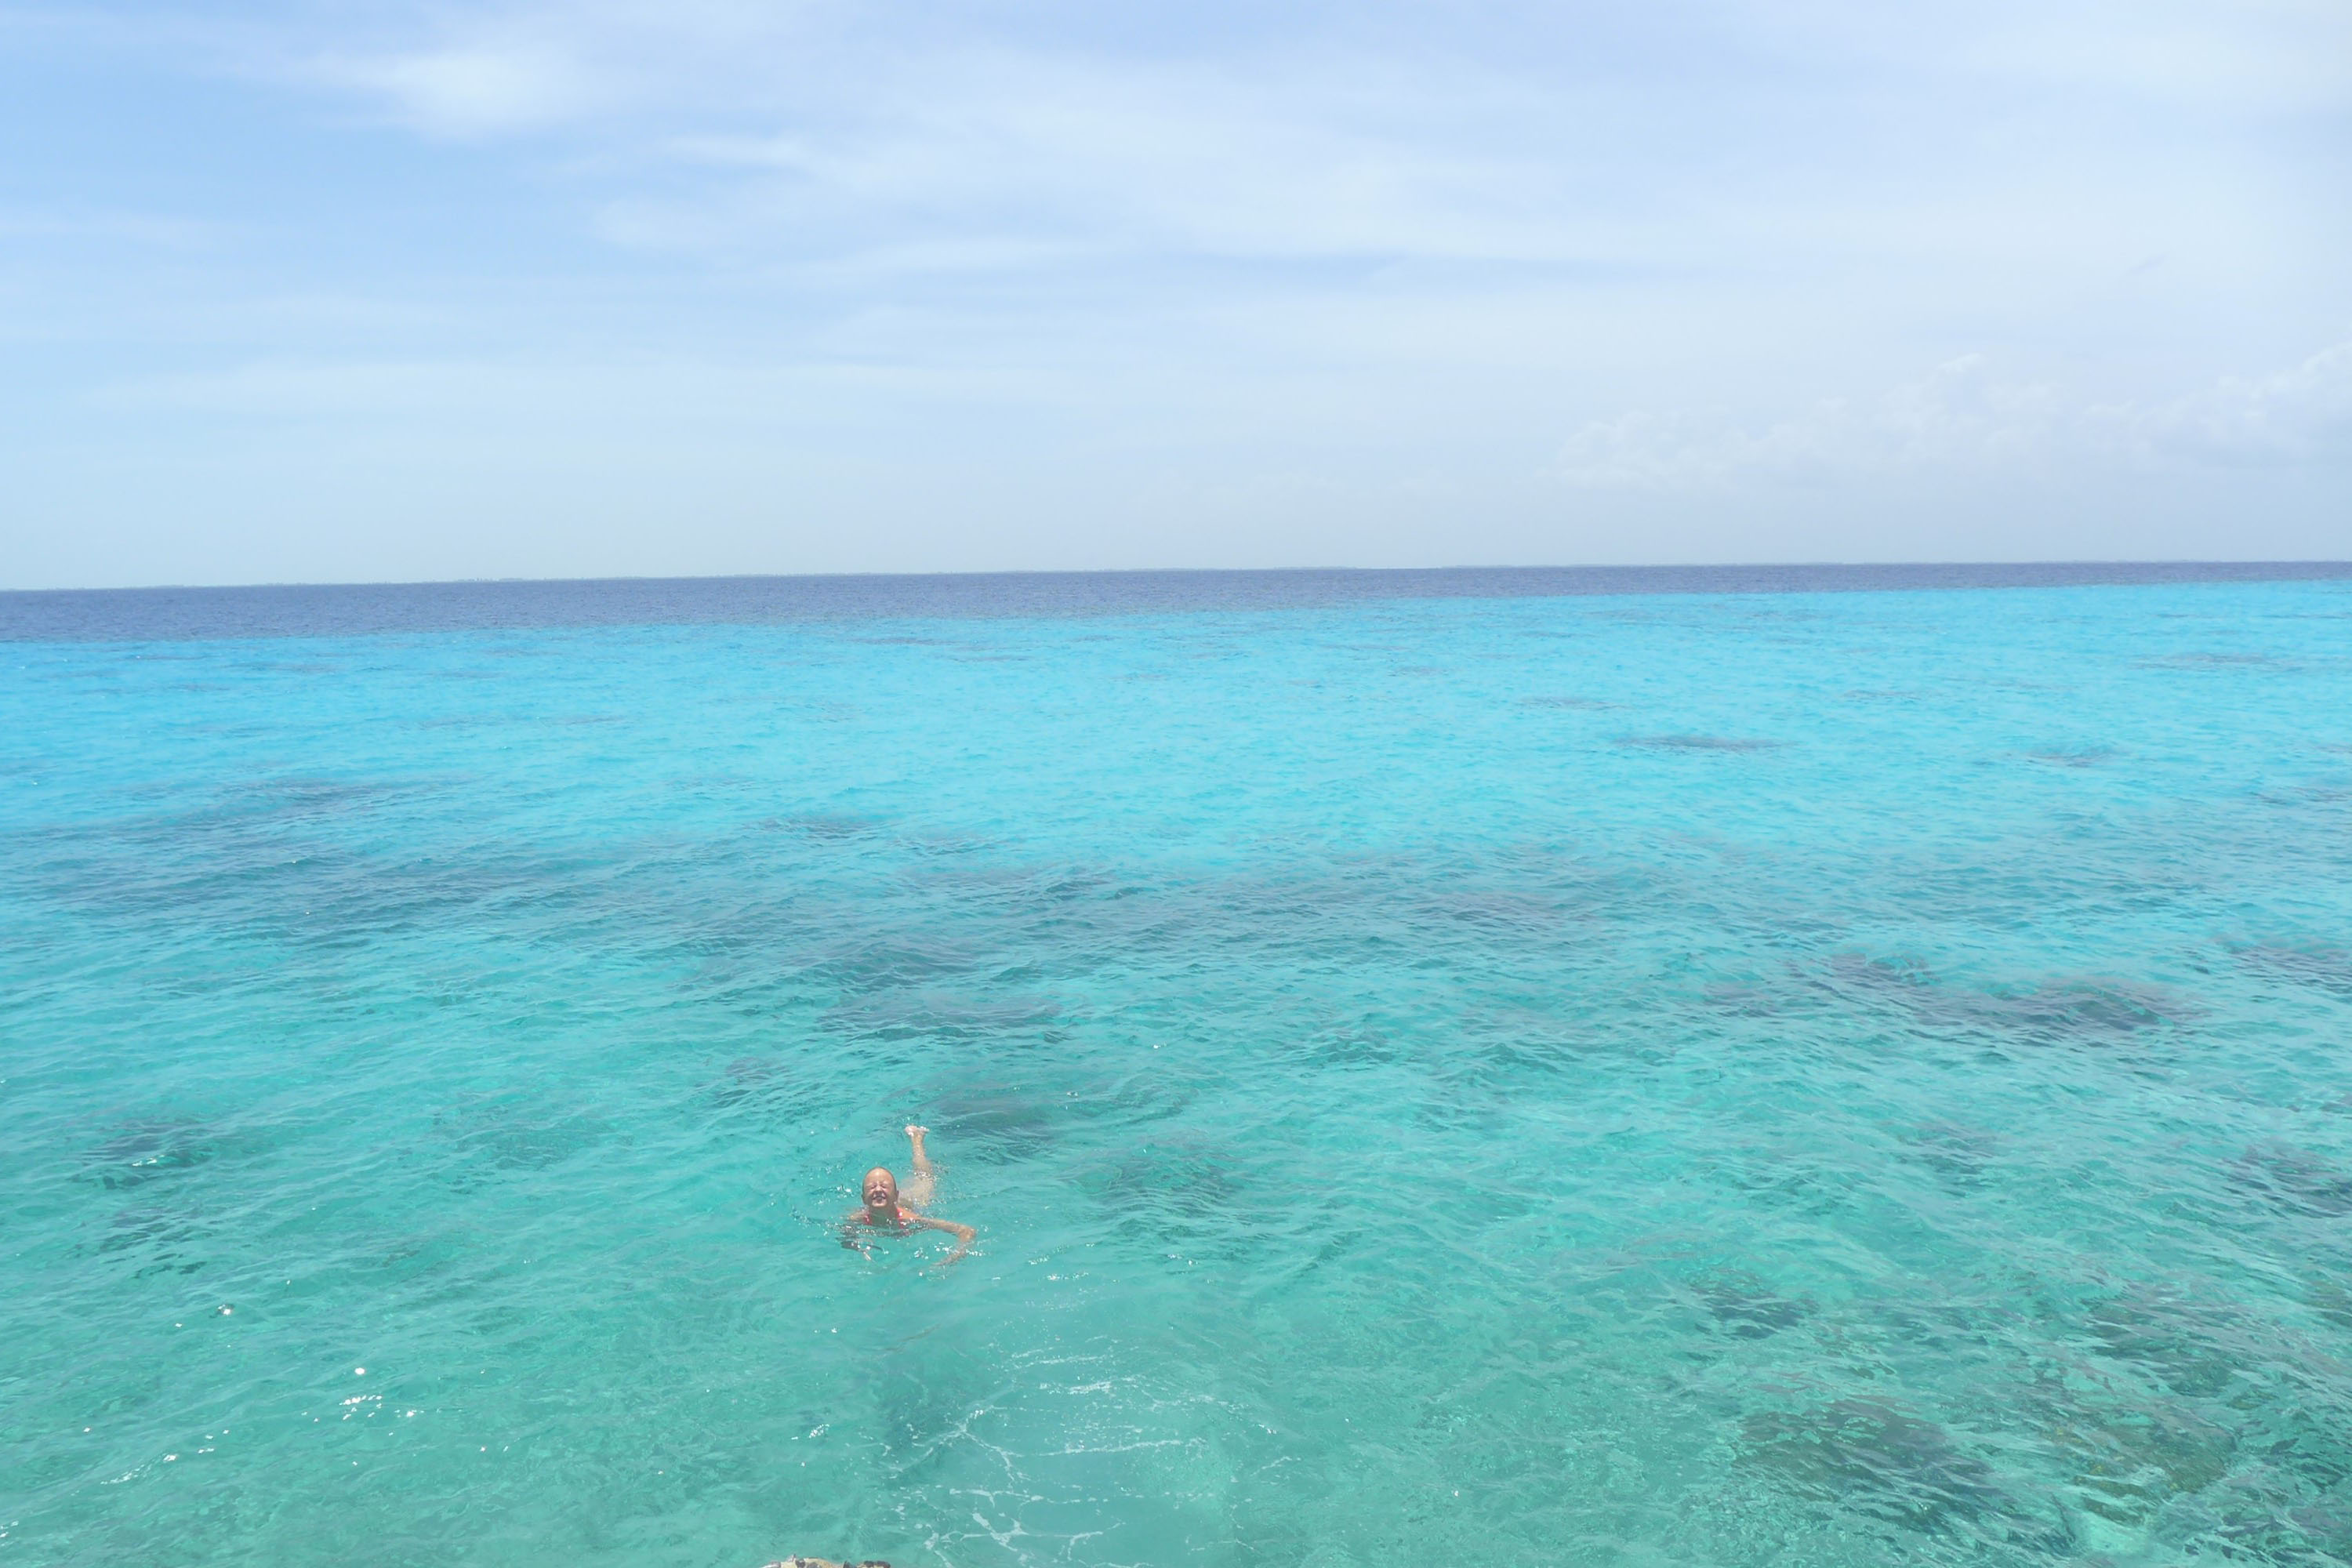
(888, 1209)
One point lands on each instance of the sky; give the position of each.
(377, 291)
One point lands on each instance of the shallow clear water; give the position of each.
(1798, 1077)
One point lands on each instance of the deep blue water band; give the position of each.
(358, 609)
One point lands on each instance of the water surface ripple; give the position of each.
(1733, 1078)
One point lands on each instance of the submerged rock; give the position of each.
(1869, 1454)
(2294, 1180)
(1747, 1310)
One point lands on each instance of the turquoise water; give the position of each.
(1813, 1078)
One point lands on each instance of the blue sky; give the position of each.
(334, 289)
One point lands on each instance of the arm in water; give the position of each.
(963, 1234)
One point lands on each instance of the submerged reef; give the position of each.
(1872, 1455)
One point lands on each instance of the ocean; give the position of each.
(1745, 1067)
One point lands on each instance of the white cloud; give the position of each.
(470, 91)
(1108, 157)
(596, 67)
(2264, 56)
(1959, 413)
(2299, 414)
(1964, 416)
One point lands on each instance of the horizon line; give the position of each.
(1105, 572)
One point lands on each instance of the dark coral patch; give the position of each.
(1870, 1454)
(2294, 1180)
(2081, 757)
(140, 1151)
(1744, 1308)
(1697, 742)
(2173, 1343)
(2327, 969)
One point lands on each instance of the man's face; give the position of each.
(881, 1189)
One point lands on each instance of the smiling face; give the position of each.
(881, 1190)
